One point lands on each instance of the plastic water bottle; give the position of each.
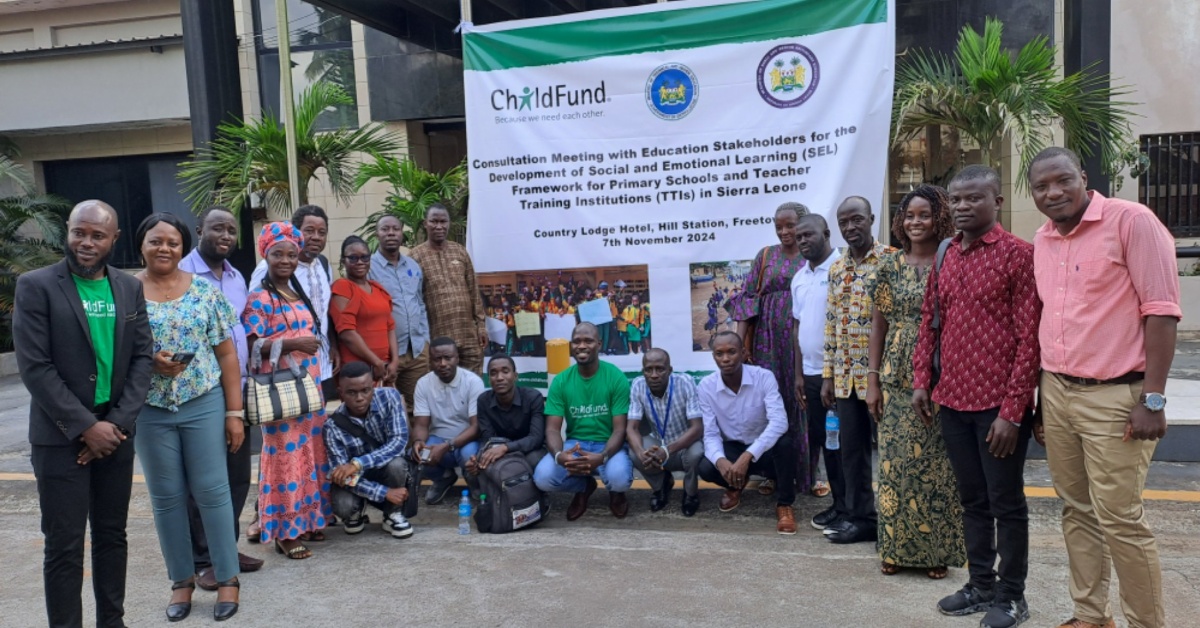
(832, 431)
(464, 513)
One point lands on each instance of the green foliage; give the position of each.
(985, 92)
(413, 190)
(31, 236)
(251, 156)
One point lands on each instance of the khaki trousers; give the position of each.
(411, 369)
(1100, 478)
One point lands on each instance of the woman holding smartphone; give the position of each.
(192, 413)
(293, 499)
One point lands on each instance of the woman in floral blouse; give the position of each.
(192, 413)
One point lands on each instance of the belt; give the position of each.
(102, 409)
(1128, 378)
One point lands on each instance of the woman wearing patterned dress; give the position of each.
(769, 302)
(192, 413)
(293, 488)
(920, 518)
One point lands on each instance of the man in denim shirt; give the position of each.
(401, 276)
(365, 439)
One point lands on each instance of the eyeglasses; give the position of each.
(357, 259)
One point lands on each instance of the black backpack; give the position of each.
(513, 500)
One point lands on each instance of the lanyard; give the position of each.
(661, 426)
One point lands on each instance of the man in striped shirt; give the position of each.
(664, 430)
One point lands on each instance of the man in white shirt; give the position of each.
(746, 430)
(315, 277)
(445, 422)
(810, 294)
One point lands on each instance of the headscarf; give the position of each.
(276, 232)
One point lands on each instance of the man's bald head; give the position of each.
(94, 211)
(91, 233)
(654, 354)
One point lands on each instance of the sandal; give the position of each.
(299, 552)
(766, 487)
(316, 536)
(820, 488)
(888, 569)
(225, 610)
(937, 573)
(178, 611)
(254, 531)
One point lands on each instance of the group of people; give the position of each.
(935, 349)
(952, 352)
(158, 360)
(628, 332)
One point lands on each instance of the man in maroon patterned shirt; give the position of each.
(989, 310)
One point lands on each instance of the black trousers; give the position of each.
(992, 491)
(815, 415)
(72, 496)
(856, 427)
(238, 467)
(777, 463)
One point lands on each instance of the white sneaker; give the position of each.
(396, 525)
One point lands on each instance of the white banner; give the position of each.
(638, 155)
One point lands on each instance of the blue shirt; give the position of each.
(403, 280)
(387, 423)
(233, 285)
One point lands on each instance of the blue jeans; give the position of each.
(617, 474)
(450, 461)
(183, 454)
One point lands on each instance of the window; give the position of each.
(136, 186)
(1171, 186)
(321, 51)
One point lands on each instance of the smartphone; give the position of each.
(183, 357)
(425, 453)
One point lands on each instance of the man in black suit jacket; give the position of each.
(84, 346)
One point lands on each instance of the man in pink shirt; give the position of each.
(1107, 277)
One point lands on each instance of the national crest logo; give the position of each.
(672, 91)
(788, 75)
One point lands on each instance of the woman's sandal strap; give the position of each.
(183, 584)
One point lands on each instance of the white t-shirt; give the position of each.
(448, 406)
(810, 294)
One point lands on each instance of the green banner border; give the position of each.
(654, 31)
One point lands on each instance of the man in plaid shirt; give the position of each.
(366, 439)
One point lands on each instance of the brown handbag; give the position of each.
(752, 324)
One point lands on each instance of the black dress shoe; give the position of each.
(825, 518)
(838, 525)
(660, 498)
(178, 611)
(854, 533)
(691, 503)
(225, 610)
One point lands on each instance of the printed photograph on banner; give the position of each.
(714, 287)
(526, 308)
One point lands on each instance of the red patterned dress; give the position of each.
(293, 471)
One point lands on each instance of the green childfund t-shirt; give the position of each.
(101, 311)
(589, 404)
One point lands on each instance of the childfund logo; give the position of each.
(547, 97)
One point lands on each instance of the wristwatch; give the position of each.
(1154, 402)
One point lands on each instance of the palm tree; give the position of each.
(413, 190)
(251, 156)
(984, 92)
(31, 236)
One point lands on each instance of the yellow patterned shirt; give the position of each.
(848, 321)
